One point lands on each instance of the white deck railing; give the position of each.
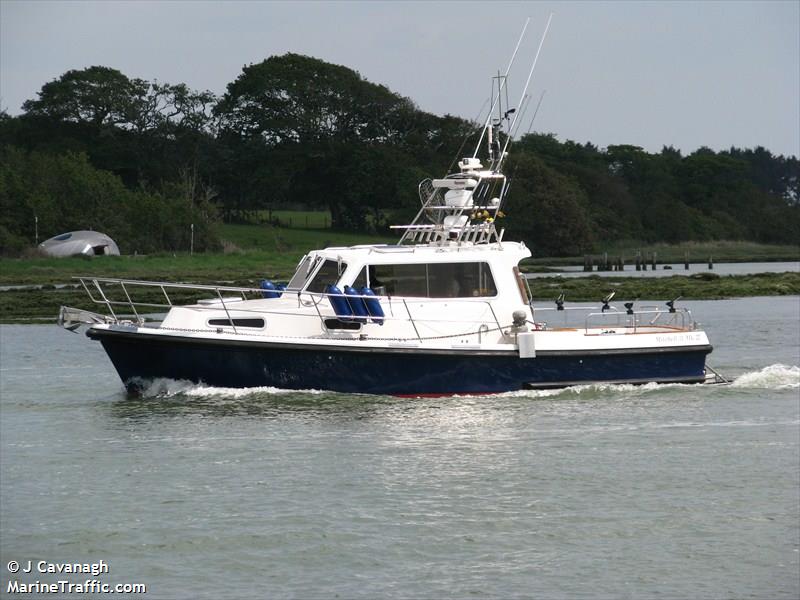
(99, 291)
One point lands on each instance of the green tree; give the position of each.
(295, 98)
(298, 128)
(547, 209)
(96, 95)
(65, 192)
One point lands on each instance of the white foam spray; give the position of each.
(166, 388)
(773, 377)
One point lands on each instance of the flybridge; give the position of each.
(458, 209)
(463, 207)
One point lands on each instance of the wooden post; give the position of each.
(710, 263)
(654, 261)
(686, 261)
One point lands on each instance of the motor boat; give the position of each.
(446, 310)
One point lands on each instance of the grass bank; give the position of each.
(253, 252)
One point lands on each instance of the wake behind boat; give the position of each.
(444, 311)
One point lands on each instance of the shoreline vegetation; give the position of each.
(299, 153)
(296, 141)
(33, 289)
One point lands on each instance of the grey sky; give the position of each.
(686, 74)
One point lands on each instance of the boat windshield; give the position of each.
(303, 272)
(328, 273)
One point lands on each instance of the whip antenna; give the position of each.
(524, 91)
(526, 103)
(500, 90)
(536, 112)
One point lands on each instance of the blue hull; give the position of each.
(139, 358)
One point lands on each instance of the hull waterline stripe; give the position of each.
(566, 384)
(100, 334)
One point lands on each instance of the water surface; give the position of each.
(601, 491)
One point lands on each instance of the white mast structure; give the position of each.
(462, 207)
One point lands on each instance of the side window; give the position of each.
(328, 274)
(486, 285)
(435, 280)
(361, 280)
(460, 280)
(399, 280)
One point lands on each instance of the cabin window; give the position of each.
(253, 323)
(327, 274)
(433, 280)
(361, 280)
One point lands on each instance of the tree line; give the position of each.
(141, 160)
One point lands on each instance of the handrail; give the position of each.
(633, 320)
(133, 307)
(315, 298)
(193, 286)
(233, 325)
(613, 311)
(410, 318)
(679, 313)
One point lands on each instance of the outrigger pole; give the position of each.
(500, 89)
(524, 91)
(536, 112)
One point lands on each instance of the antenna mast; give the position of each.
(487, 124)
(524, 91)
